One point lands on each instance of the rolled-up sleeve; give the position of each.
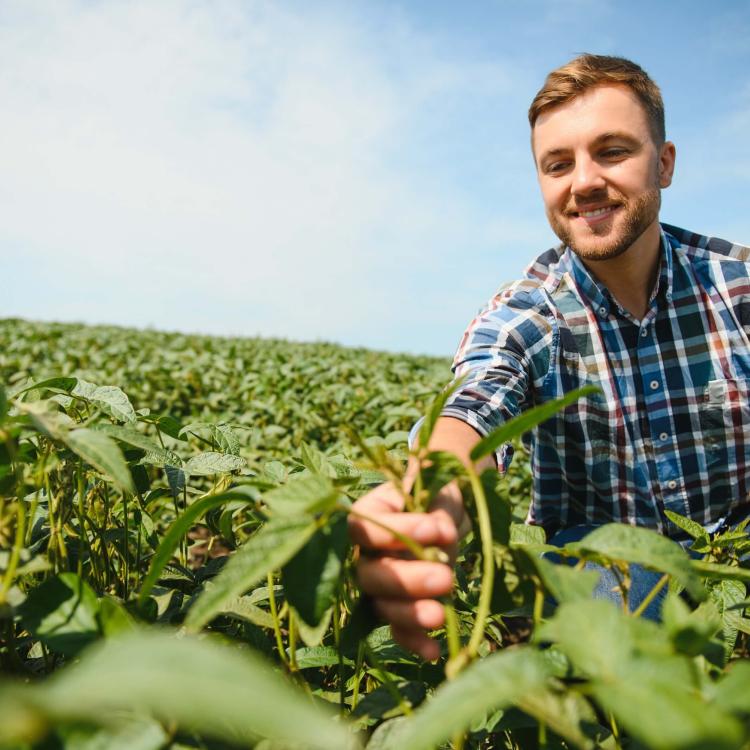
(503, 356)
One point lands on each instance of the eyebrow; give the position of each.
(611, 135)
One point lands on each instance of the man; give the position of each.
(658, 318)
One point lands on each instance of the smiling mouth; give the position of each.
(594, 213)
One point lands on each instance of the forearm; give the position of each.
(453, 436)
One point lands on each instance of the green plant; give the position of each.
(181, 577)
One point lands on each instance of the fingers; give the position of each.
(417, 641)
(404, 589)
(393, 578)
(423, 614)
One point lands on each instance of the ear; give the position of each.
(667, 155)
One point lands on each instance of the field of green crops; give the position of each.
(175, 570)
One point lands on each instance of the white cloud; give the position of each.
(230, 167)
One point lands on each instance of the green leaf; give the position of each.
(725, 594)
(361, 624)
(314, 635)
(113, 617)
(655, 702)
(242, 608)
(175, 479)
(47, 418)
(240, 698)
(311, 577)
(732, 693)
(221, 435)
(515, 427)
(168, 425)
(129, 436)
(268, 550)
(718, 571)
(62, 613)
(109, 398)
(315, 461)
(53, 384)
(566, 584)
(594, 635)
(227, 439)
(619, 541)
(308, 494)
(318, 656)
(564, 712)
(498, 680)
(210, 462)
(690, 631)
(177, 531)
(102, 453)
(634, 674)
(139, 734)
(689, 526)
(522, 534)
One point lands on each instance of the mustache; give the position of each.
(593, 199)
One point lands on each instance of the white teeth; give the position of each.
(595, 212)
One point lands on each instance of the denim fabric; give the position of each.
(642, 581)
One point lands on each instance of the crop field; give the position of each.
(175, 570)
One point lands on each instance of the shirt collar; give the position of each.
(599, 296)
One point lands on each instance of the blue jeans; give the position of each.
(642, 581)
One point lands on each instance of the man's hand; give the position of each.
(404, 590)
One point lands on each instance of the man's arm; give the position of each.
(404, 591)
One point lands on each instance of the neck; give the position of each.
(630, 277)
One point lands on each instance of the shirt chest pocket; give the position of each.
(725, 422)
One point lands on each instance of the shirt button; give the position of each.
(654, 384)
(663, 436)
(603, 311)
(672, 484)
(644, 332)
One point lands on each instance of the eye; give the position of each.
(555, 167)
(615, 152)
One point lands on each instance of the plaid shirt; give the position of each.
(671, 428)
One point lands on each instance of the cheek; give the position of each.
(553, 197)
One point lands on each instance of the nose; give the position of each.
(587, 176)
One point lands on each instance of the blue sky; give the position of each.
(356, 172)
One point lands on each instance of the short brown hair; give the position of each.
(586, 71)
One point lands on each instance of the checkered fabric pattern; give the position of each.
(671, 428)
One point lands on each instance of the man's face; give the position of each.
(600, 171)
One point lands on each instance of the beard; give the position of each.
(618, 235)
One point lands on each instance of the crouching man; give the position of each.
(656, 317)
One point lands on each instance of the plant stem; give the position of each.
(651, 596)
(542, 735)
(538, 603)
(358, 673)
(125, 547)
(451, 632)
(15, 554)
(276, 624)
(488, 563)
(388, 682)
(615, 731)
(337, 643)
(292, 642)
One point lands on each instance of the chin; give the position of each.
(620, 236)
(602, 250)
